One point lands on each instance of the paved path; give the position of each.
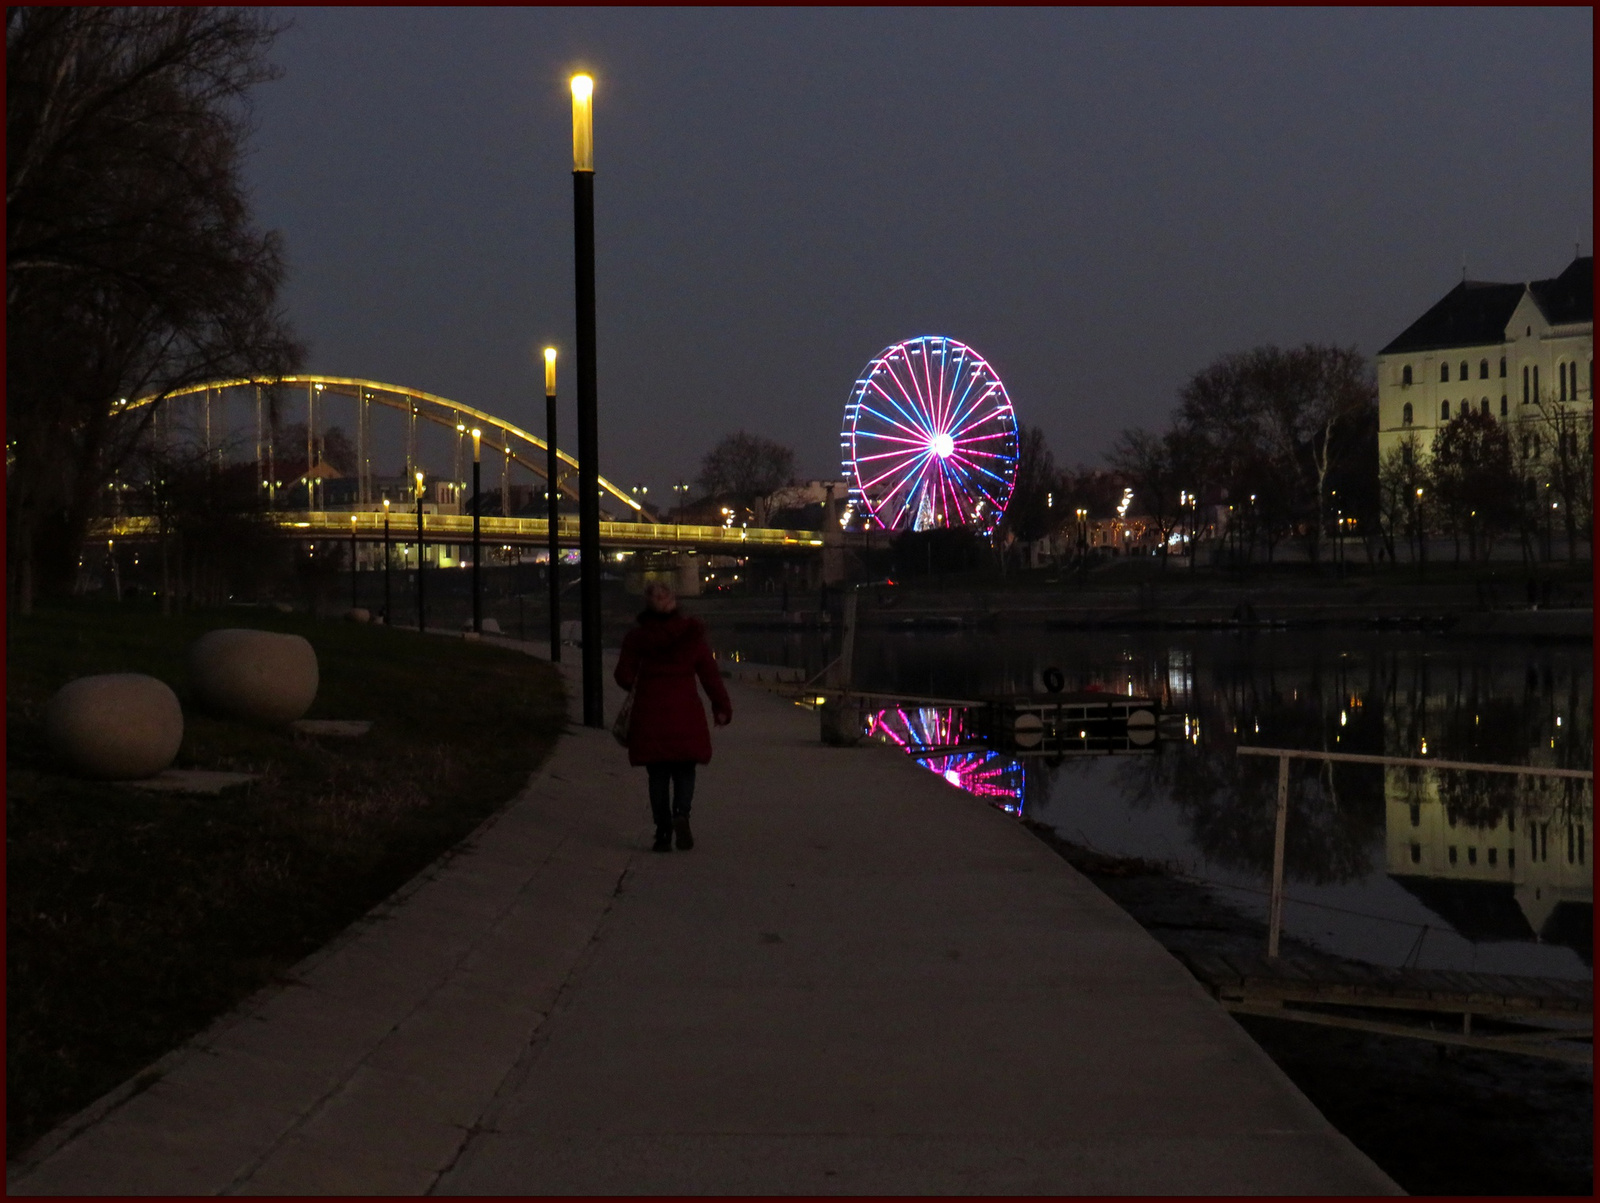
(861, 981)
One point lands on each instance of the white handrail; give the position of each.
(1281, 822)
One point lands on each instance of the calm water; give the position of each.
(1395, 866)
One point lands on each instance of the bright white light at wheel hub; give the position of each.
(943, 445)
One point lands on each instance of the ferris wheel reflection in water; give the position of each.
(933, 737)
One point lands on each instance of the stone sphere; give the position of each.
(117, 727)
(358, 614)
(263, 676)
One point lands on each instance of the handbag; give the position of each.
(622, 727)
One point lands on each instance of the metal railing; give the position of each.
(457, 528)
(1285, 755)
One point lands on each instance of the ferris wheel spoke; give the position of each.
(965, 417)
(917, 427)
(914, 432)
(915, 394)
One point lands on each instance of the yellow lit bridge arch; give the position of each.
(366, 522)
(498, 434)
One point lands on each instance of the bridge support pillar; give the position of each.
(834, 571)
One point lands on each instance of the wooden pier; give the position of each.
(1539, 1017)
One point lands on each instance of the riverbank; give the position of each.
(1439, 1121)
(1494, 601)
(860, 981)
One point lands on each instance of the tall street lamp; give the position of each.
(477, 540)
(386, 558)
(422, 614)
(353, 596)
(588, 409)
(552, 495)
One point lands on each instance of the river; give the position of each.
(1394, 866)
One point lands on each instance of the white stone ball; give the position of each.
(264, 676)
(117, 727)
(358, 614)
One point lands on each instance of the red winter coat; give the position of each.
(664, 654)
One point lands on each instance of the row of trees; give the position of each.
(1483, 480)
(133, 264)
(1280, 444)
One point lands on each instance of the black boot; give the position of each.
(685, 836)
(664, 840)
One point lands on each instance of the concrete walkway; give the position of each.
(861, 981)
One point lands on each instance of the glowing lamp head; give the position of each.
(943, 445)
(550, 371)
(582, 123)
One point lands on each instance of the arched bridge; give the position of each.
(359, 510)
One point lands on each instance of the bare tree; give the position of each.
(133, 268)
(745, 467)
(1268, 425)
(1473, 480)
(1145, 460)
(1030, 513)
(1563, 467)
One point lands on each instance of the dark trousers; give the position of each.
(678, 777)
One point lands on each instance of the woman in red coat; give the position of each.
(661, 657)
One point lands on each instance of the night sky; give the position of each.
(1101, 202)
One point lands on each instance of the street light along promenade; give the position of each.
(588, 406)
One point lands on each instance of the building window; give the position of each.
(1535, 382)
(1569, 843)
(1405, 413)
(1452, 854)
(1416, 815)
(1405, 376)
(1444, 411)
(1416, 854)
(1505, 405)
(1483, 369)
(1472, 856)
(1484, 406)
(1502, 367)
(1466, 372)
(1524, 384)
(1405, 454)
(1561, 368)
(1444, 373)
(1511, 858)
(1494, 855)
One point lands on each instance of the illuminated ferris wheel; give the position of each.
(929, 438)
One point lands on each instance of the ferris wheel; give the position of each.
(929, 438)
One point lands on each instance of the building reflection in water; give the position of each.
(1506, 859)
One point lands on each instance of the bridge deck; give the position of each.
(457, 528)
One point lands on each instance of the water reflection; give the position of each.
(1445, 868)
(935, 737)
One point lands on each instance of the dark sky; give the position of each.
(1101, 202)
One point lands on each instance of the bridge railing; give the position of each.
(457, 528)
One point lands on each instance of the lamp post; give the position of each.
(386, 558)
(477, 539)
(353, 596)
(588, 410)
(422, 614)
(552, 494)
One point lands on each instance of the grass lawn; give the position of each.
(135, 918)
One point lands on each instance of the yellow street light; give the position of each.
(582, 123)
(549, 371)
(476, 436)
